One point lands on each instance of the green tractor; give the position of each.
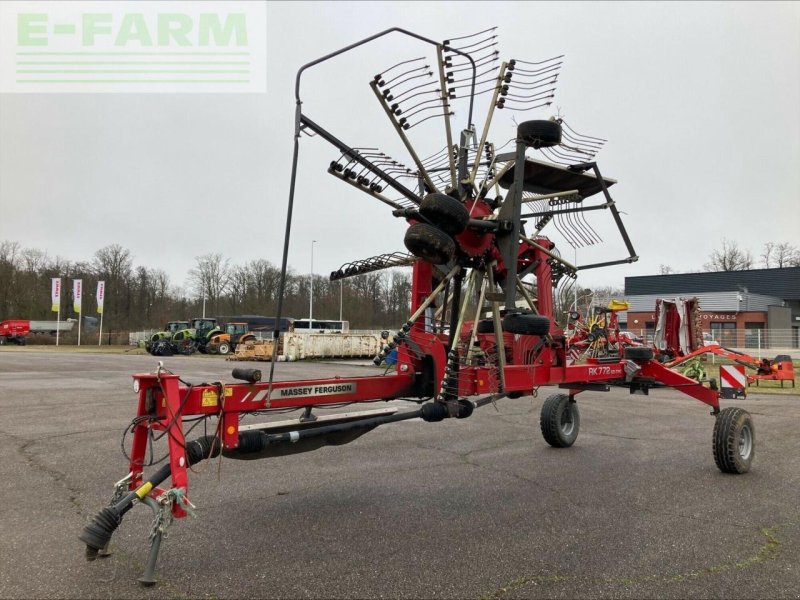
(159, 343)
(195, 337)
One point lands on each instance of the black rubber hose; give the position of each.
(99, 530)
(292, 436)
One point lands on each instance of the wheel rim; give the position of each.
(745, 442)
(567, 424)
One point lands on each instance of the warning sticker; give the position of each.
(209, 398)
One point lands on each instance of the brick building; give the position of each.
(736, 307)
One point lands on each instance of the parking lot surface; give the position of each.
(475, 508)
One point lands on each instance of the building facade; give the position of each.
(737, 308)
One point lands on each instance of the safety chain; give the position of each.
(120, 489)
(163, 518)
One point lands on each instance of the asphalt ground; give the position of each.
(476, 508)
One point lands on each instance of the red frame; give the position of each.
(162, 397)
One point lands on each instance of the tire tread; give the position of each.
(550, 421)
(725, 441)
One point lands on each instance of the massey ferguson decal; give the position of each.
(332, 389)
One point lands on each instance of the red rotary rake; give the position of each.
(485, 288)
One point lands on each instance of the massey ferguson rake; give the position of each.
(486, 288)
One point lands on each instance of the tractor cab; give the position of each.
(236, 329)
(174, 327)
(203, 325)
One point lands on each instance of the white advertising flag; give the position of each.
(77, 285)
(56, 294)
(101, 294)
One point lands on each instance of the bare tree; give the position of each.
(114, 265)
(9, 256)
(665, 270)
(239, 287)
(729, 258)
(161, 297)
(264, 281)
(9, 251)
(780, 255)
(210, 277)
(766, 255)
(786, 255)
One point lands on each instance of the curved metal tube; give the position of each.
(297, 118)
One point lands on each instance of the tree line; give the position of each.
(729, 257)
(139, 297)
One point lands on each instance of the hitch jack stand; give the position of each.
(148, 577)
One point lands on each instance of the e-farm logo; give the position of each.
(139, 47)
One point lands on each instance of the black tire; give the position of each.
(638, 353)
(485, 326)
(429, 243)
(525, 324)
(162, 348)
(539, 134)
(444, 211)
(734, 441)
(224, 348)
(560, 421)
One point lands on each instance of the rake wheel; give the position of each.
(429, 243)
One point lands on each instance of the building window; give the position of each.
(753, 334)
(724, 333)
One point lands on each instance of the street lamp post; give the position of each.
(311, 290)
(341, 292)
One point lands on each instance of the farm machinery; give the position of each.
(182, 337)
(598, 334)
(160, 343)
(476, 247)
(225, 341)
(678, 341)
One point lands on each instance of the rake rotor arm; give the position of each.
(301, 121)
(375, 37)
(610, 263)
(377, 195)
(355, 156)
(612, 205)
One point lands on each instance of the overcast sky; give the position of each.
(699, 102)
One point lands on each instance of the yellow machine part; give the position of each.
(619, 305)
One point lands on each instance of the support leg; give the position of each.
(148, 577)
